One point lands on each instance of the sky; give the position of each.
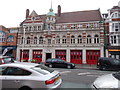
(13, 12)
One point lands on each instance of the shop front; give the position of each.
(114, 53)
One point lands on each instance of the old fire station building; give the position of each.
(75, 37)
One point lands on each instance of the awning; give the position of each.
(113, 50)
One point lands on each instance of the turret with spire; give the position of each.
(50, 19)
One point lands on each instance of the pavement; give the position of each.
(85, 66)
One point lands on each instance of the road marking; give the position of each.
(64, 72)
(93, 75)
(84, 73)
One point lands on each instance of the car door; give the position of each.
(10, 80)
(2, 78)
(54, 62)
(61, 63)
(13, 77)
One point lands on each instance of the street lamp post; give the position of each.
(101, 23)
(23, 42)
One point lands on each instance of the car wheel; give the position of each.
(68, 66)
(25, 88)
(50, 65)
(103, 68)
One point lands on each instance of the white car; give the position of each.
(107, 82)
(28, 76)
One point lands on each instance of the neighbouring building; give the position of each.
(8, 41)
(76, 37)
(112, 21)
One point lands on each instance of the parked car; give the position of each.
(6, 59)
(28, 76)
(56, 62)
(104, 63)
(107, 82)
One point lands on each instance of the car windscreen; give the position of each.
(116, 75)
(42, 69)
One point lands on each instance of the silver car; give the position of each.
(28, 76)
(107, 82)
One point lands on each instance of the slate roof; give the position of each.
(80, 16)
(77, 16)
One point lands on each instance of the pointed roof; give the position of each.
(29, 19)
(33, 13)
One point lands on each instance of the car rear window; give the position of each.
(43, 69)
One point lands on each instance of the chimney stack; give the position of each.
(59, 10)
(27, 13)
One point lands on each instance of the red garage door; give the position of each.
(76, 56)
(60, 54)
(24, 55)
(37, 55)
(92, 56)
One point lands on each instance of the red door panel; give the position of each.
(37, 55)
(92, 56)
(60, 54)
(76, 56)
(24, 55)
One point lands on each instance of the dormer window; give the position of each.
(33, 18)
(79, 25)
(73, 26)
(64, 26)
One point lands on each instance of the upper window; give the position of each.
(96, 39)
(58, 27)
(115, 15)
(73, 26)
(26, 28)
(41, 40)
(64, 39)
(113, 39)
(2, 36)
(116, 27)
(89, 40)
(57, 39)
(88, 25)
(10, 38)
(79, 39)
(49, 41)
(79, 25)
(72, 39)
(39, 28)
(28, 40)
(35, 40)
(64, 26)
(118, 39)
(30, 28)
